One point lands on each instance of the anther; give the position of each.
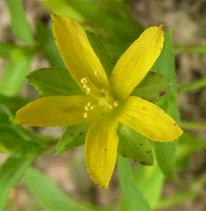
(83, 80)
(85, 115)
(86, 108)
(88, 104)
(110, 106)
(116, 104)
(88, 90)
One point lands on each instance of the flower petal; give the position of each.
(77, 53)
(148, 119)
(101, 151)
(137, 60)
(54, 111)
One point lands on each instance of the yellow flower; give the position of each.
(107, 102)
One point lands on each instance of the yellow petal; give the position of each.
(148, 119)
(136, 61)
(101, 151)
(54, 111)
(77, 53)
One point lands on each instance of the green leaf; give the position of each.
(47, 192)
(188, 146)
(10, 138)
(112, 19)
(61, 7)
(5, 115)
(150, 182)
(47, 45)
(13, 103)
(131, 144)
(134, 146)
(14, 73)
(100, 50)
(153, 86)
(165, 152)
(72, 137)
(10, 173)
(6, 49)
(19, 24)
(132, 198)
(54, 81)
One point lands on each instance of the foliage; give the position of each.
(110, 30)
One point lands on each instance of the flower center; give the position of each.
(107, 102)
(103, 105)
(102, 101)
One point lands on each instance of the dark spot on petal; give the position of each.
(149, 151)
(174, 124)
(80, 133)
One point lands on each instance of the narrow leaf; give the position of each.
(132, 198)
(188, 146)
(13, 103)
(14, 73)
(150, 182)
(100, 50)
(10, 173)
(61, 7)
(47, 192)
(47, 45)
(19, 24)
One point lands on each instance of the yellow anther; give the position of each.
(110, 106)
(116, 103)
(88, 104)
(86, 108)
(83, 80)
(88, 90)
(85, 115)
(92, 107)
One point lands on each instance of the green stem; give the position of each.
(198, 84)
(176, 199)
(193, 125)
(179, 198)
(191, 49)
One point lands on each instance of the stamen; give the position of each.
(85, 115)
(83, 80)
(86, 108)
(88, 90)
(116, 103)
(110, 106)
(88, 104)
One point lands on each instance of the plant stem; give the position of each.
(176, 199)
(179, 198)
(191, 49)
(193, 125)
(198, 84)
